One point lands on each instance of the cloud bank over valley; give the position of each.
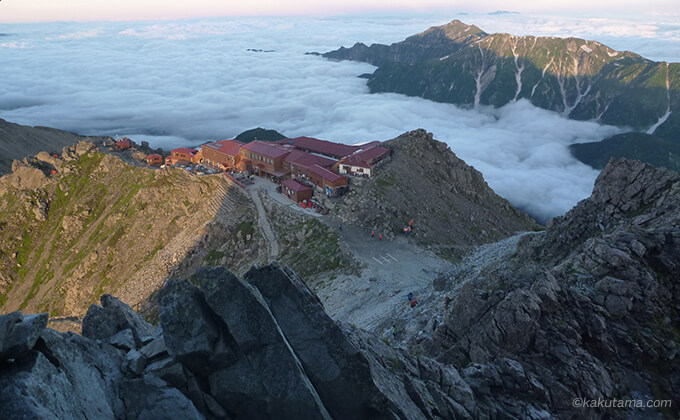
(187, 82)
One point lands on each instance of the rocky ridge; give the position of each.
(586, 309)
(424, 180)
(68, 223)
(17, 141)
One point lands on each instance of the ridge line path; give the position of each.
(263, 222)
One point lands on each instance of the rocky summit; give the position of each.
(587, 309)
(448, 200)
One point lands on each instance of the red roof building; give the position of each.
(223, 154)
(332, 183)
(154, 159)
(362, 162)
(296, 190)
(266, 157)
(299, 162)
(123, 144)
(322, 147)
(181, 155)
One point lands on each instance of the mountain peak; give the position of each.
(457, 28)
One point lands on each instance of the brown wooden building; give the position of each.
(224, 154)
(181, 156)
(266, 158)
(298, 163)
(296, 190)
(123, 144)
(362, 163)
(323, 147)
(154, 159)
(331, 183)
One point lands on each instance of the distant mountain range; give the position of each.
(461, 64)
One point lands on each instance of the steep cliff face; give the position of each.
(460, 64)
(448, 200)
(587, 309)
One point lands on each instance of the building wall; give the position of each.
(216, 157)
(182, 156)
(355, 170)
(320, 182)
(269, 163)
(297, 196)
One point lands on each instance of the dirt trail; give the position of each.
(263, 222)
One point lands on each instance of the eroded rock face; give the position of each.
(113, 317)
(587, 309)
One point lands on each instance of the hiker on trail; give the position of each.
(394, 331)
(372, 234)
(380, 236)
(340, 226)
(414, 303)
(409, 297)
(447, 300)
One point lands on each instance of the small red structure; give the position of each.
(123, 144)
(330, 182)
(296, 191)
(181, 156)
(154, 159)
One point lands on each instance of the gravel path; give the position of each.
(419, 321)
(263, 222)
(392, 269)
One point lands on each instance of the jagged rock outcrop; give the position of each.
(589, 308)
(448, 200)
(225, 348)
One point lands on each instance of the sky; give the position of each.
(98, 10)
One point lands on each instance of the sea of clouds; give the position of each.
(186, 82)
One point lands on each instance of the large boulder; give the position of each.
(190, 331)
(18, 333)
(351, 380)
(79, 374)
(225, 333)
(114, 316)
(25, 177)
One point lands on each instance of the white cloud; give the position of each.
(91, 33)
(13, 44)
(188, 82)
